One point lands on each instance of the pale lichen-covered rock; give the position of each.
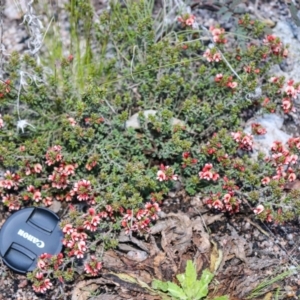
(273, 124)
(134, 122)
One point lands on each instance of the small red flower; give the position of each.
(53, 155)
(82, 190)
(208, 174)
(93, 266)
(165, 173)
(259, 209)
(265, 180)
(258, 129)
(218, 77)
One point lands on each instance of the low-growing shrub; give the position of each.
(63, 133)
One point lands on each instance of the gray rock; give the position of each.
(137, 255)
(134, 122)
(55, 206)
(273, 124)
(14, 10)
(284, 31)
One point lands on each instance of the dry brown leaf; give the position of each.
(216, 257)
(246, 284)
(112, 260)
(83, 289)
(132, 282)
(255, 263)
(268, 296)
(176, 232)
(204, 244)
(23, 283)
(157, 263)
(237, 244)
(126, 285)
(125, 238)
(269, 23)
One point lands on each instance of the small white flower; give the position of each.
(21, 124)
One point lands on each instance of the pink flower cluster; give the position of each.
(11, 181)
(165, 173)
(266, 180)
(75, 241)
(259, 209)
(59, 179)
(91, 220)
(5, 88)
(108, 213)
(46, 261)
(258, 129)
(12, 201)
(82, 190)
(267, 213)
(60, 175)
(54, 155)
(227, 203)
(89, 121)
(275, 46)
(187, 20)
(9, 184)
(188, 160)
(33, 193)
(229, 184)
(292, 90)
(250, 69)
(207, 173)
(93, 266)
(226, 81)
(294, 143)
(212, 147)
(212, 56)
(289, 92)
(91, 164)
(42, 285)
(36, 169)
(1, 122)
(282, 159)
(140, 221)
(218, 35)
(245, 140)
(72, 121)
(268, 105)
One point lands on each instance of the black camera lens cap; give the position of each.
(26, 235)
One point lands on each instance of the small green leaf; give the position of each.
(189, 285)
(176, 291)
(181, 279)
(159, 285)
(202, 284)
(221, 298)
